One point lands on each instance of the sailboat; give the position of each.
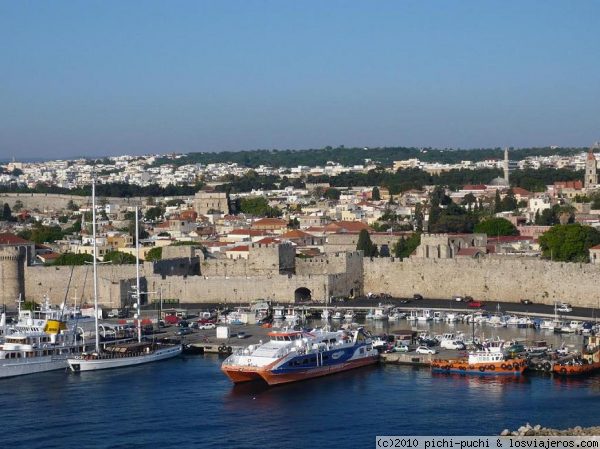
(128, 354)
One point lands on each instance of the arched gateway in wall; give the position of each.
(302, 294)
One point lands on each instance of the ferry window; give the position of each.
(305, 362)
(325, 357)
(313, 359)
(362, 350)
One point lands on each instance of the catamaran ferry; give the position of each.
(290, 356)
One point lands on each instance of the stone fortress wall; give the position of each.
(487, 279)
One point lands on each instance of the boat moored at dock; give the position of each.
(291, 356)
(481, 362)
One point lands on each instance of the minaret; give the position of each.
(591, 176)
(506, 166)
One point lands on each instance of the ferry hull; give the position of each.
(284, 378)
(81, 364)
(506, 368)
(33, 366)
(240, 374)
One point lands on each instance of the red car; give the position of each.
(475, 304)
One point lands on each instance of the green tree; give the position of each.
(365, 244)
(119, 258)
(154, 254)
(72, 206)
(73, 259)
(406, 246)
(494, 227)
(497, 202)
(375, 195)
(468, 200)
(18, 206)
(154, 213)
(569, 242)
(332, 193)
(6, 213)
(509, 202)
(293, 223)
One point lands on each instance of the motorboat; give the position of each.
(349, 315)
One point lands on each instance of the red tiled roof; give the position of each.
(296, 234)
(268, 241)
(595, 247)
(277, 222)
(250, 232)
(510, 238)
(348, 226)
(240, 248)
(474, 187)
(6, 238)
(50, 256)
(577, 185)
(520, 191)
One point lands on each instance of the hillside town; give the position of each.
(314, 217)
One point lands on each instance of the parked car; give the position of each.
(417, 297)
(241, 335)
(475, 304)
(207, 326)
(184, 331)
(458, 298)
(454, 344)
(514, 349)
(400, 348)
(526, 301)
(425, 350)
(564, 307)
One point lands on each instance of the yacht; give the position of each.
(337, 315)
(381, 313)
(40, 341)
(125, 354)
(424, 315)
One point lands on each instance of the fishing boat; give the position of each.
(39, 341)
(588, 362)
(481, 362)
(291, 356)
(337, 315)
(325, 314)
(125, 354)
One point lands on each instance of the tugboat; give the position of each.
(481, 362)
(587, 363)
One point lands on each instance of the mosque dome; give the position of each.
(498, 182)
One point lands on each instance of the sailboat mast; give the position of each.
(95, 264)
(137, 273)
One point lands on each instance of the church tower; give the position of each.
(591, 176)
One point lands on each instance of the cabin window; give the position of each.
(313, 359)
(362, 350)
(305, 362)
(325, 357)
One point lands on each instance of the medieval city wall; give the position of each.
(486, 279)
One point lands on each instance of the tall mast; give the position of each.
(137, 273)
(95, 265)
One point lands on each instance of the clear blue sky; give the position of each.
(115, 77)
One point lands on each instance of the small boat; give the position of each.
(337, 315)
(279, 313)
(325, 314)
(424, 315)
(481, 362)
(586, 363)
(381, 313)
(451, 317)
(370, 315)
(438, 316)
(349, 315)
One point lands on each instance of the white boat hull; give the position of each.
(21, 367)
(80, 364)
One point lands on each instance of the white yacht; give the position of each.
(349, 315)
(337, 315)
(128, 354)
(39, 341)
(424, 315)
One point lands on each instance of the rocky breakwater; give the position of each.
(533, 431)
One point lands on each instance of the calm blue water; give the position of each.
(187, 402)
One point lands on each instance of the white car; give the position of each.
(453, 344)
(207, 326)
(565, 308)
(425, 350)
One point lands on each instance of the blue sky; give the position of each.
(115, 77)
